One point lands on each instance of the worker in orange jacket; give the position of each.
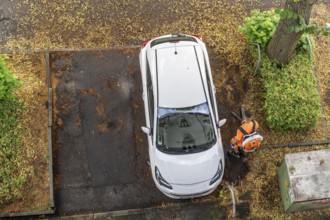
(248, 125)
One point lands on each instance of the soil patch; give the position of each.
(31, 70)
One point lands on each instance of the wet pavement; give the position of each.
(100, 153)
(192, 211)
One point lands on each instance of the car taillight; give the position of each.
(145, 42)
(199, 37)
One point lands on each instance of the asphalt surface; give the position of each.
(201, 210)
(100, 153)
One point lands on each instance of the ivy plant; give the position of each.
(260, 26)
(7, 82)
(292, 101)
(301, 25)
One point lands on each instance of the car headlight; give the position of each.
(161, 180)
(218, 174)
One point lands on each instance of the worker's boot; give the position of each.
(242, 153)
(232, 153)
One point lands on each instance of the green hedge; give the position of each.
(7, 82)
(292, 101)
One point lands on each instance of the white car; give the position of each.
(185, 148)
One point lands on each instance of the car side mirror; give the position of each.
(146, 130)
(222, 122)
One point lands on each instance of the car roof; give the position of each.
(179, 76)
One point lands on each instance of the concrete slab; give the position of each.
(191, 211)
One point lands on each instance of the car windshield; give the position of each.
(185, 130)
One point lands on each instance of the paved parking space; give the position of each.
(100, 153)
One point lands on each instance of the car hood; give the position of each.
(190, 168)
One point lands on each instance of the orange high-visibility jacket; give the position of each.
(247, 126)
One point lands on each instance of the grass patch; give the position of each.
(24, 181)
(12, 172)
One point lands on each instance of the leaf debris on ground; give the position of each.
(107, 24)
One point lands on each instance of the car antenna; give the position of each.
(175, 52)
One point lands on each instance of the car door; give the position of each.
(150, 103)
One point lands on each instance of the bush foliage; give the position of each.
(7, 82)
(261, 25)
(292, 101)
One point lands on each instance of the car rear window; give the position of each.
(172, 39)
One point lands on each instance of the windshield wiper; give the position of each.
(199, 113)
(168, 115)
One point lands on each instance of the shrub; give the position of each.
(260, 26)
(303, 45)
(7, 82)
(292, 101)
